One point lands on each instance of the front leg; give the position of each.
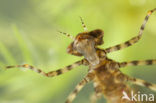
(134, 39)
(52, 73)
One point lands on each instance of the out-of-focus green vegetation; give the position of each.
(28, 34)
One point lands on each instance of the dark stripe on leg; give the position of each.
(140, 62)
(134, 39)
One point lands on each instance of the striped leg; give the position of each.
(135, 63)
(83, 25)
(51, 73)
(142, 83)
(134, 39)
(72, 96)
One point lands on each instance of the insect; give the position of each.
(105, 73)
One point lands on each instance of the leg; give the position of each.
(135, 63)
(142, 83)
(97, 93)
(94, 97)
(83, 25)
(68, 35)
(52, 73)
(134, 39)
(72, 96)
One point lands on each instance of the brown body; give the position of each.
(105, 73)
(109, 82)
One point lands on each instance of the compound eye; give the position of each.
(71, 50)
(96, 33)
(98, 36)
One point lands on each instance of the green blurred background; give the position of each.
(28, 34)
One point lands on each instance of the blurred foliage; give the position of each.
(28, 34)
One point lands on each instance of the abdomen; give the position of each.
(105, 82)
